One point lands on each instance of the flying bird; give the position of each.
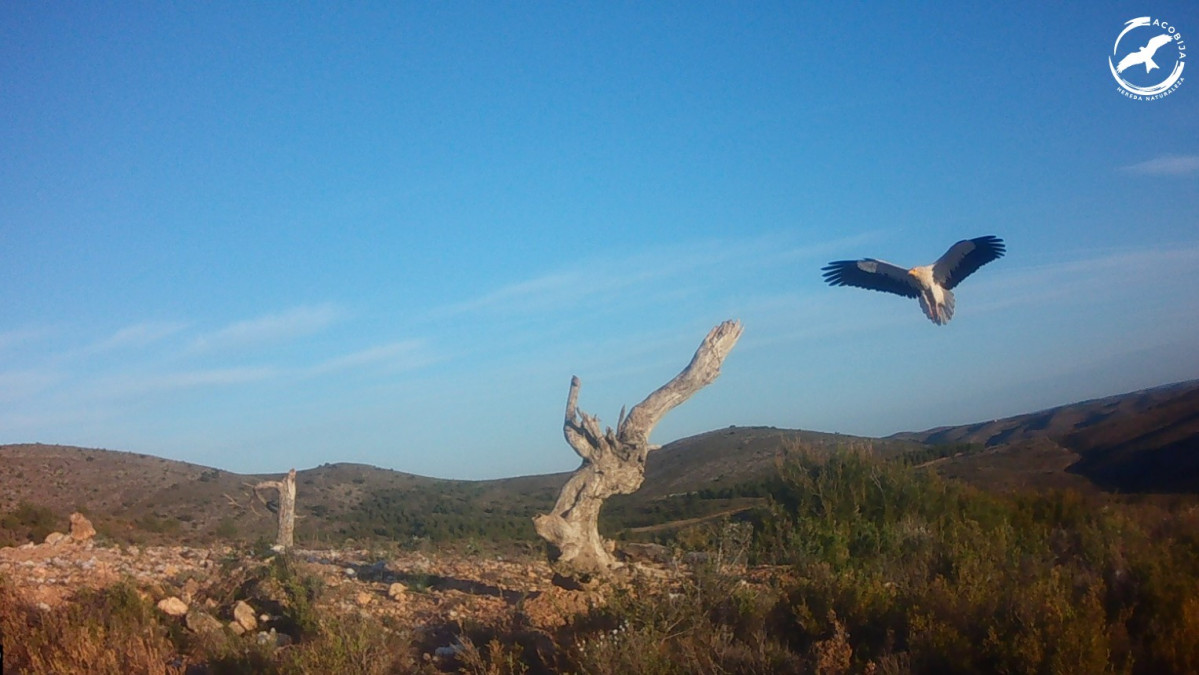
(1143, 55)
(930, 283)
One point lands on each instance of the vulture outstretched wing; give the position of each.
(875, 275)
(964, 257)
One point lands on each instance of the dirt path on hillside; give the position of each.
(675, 524)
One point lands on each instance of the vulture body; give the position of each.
(931, 284)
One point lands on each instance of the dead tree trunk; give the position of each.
(614, 461)
(287, 506)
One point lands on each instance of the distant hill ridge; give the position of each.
(1143, 441)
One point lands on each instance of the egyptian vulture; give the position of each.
(930, 283)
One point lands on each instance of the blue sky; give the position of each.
(257, 236)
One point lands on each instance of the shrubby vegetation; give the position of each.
(27, 522)
(890, 569)
(448, 513)
(878, 567)
(119, 631)
(848, 564)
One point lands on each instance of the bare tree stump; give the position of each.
(614, 461)
(287, 506)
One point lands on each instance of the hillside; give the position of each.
(140, 497)
(726, 458)
(1143, 441)
(911, 574)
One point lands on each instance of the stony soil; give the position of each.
(426, 592)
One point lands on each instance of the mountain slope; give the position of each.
(1145, 441)
(1142, 441)
(736, 455)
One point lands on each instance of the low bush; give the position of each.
(113, 630)
(855, 564)
(28, 522)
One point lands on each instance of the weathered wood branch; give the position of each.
(702, 371)
(614, 460)
(287, 506)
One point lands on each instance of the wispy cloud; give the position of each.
(136, 385)
(394, 356)
(272, 327)
(136, 336)
(590, 279)
(540, 293)
(1089, 278)
(1166, 165)
(24, 384)
(12, 338)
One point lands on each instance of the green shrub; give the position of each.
(856, 564)
(956, 580)
(226, 528)
(29, 522)
(113, 630)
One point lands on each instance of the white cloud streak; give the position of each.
(282, 326)
(1087, 279)
(395, 356)
(23, 384)
(1166, 165)
(136, 336)
(590, 279)
(392, 357)
(193, 379)
(13, 338)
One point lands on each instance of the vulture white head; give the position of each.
(931, 284)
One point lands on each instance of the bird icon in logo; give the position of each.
(1144, 55)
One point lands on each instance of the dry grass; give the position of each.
(110, 631)
(872, 567)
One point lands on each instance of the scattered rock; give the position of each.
(81, 528)
(274, 639)
(236, 628)
(397, 591)
(190, 588)
(471, 588)
(55, 538)
(375, 571)
(201, 622)
(243, 614)
(555, 606)
(173, 606)
(645, 552)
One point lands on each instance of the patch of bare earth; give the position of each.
(416, 588)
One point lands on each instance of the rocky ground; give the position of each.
(424, 591)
